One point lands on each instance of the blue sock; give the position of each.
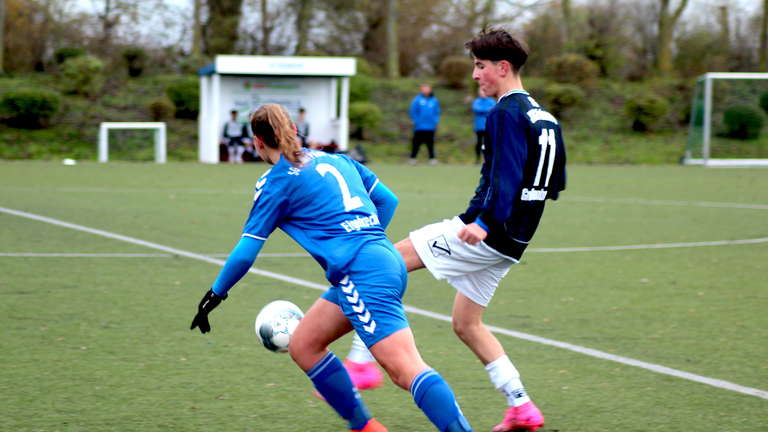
(433, 395)
(333, 382)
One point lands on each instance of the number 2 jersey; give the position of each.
(524, 166)
(323, 204)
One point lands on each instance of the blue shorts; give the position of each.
(371, 294)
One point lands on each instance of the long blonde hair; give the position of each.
(272, 124)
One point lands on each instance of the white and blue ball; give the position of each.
(275, 324)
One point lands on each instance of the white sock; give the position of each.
(359, 352)
(506, 379)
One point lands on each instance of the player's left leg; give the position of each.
(362, 366)
(322, 324)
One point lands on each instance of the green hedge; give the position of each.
(742, 122)
(29, 108)
(185, 96)
(646, 111)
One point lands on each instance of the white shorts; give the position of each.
(474, 271)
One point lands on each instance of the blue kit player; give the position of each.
(524, 166)
(337, 210)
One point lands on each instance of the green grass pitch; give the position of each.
(99, 343)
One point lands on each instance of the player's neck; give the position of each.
(512, 82)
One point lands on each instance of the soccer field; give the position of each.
(640, 305)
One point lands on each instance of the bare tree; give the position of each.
(764, 38)
(393, 52)
(303, 19)
(266, 27)
(2, 33)
(666, 29)
(223, 24)
(197, 28)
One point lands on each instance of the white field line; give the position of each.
(726, 385)
(306, 255)
(130, 255)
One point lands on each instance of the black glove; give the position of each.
(207, 304)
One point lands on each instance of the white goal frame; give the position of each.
(705, 159)
(160, 137)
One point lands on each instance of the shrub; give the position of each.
(82, 75)
(360, 87)
(161, 109)
(364, 116)
(135, 58)
(456, 70)
(742, 122)
(764, 102)
(185, 96)
(560, 97)
(65, 53)
(29, 108)
(645, 111)
(364, 67)
(572, 69)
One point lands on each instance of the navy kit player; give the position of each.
(337, 210)
(524, 166)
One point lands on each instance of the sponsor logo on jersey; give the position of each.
(360, 222)
(535, 115)
(533, 194)
(439, 246)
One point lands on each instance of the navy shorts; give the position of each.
(371, 294)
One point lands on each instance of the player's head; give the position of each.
(498, 59)
(233, 114)
(425, 89)
(272, 128)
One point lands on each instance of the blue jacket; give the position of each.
(481, 107)
(425, 113)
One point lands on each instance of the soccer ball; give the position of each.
(275, 324)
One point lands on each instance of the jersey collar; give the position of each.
(521, 91)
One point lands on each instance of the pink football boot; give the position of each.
(523, 417)
(364, 375)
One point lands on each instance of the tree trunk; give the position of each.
(303, 19)
(764, 38)
(666, 26)
(2, 34)
(197, 29)
(565, 5)
(266, 29)
(223, 23)
(393, 52)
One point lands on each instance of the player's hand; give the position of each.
(207, 304)
(472, 234)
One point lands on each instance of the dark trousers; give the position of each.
(481, 139)
(423, 136)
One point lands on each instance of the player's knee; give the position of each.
(465, 328)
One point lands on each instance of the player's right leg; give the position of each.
(322, 324)
(398, 355)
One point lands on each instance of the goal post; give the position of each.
(707, 108)
(159, 137)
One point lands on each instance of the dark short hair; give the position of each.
(496, 44)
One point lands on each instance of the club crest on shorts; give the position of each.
(439, 246)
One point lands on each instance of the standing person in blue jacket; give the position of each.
(481, 106)
(425, 114)
(337, 210)
(524, 166)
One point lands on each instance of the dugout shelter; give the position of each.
(320, 85)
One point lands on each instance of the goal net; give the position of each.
(728, 124)
(132, 141)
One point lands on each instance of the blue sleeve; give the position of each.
(240, 260)
(509, 145)
(412, 109)
(437, 111)
(386, 203)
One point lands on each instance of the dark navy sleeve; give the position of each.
(507, 138)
